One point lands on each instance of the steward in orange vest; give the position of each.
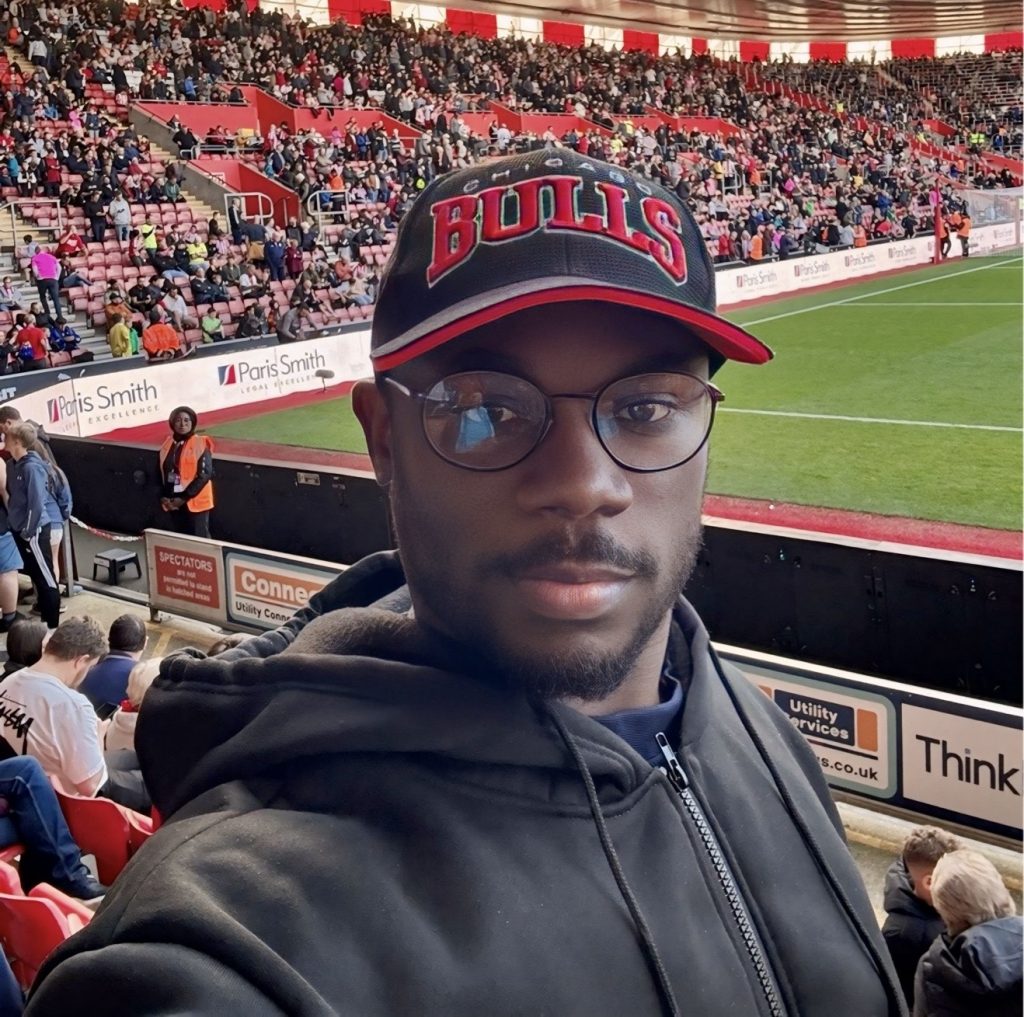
(964, 233)
(186, 471)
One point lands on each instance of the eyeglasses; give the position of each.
(486, 420)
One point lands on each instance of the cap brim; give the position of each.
(729, 341)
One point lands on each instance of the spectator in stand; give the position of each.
(174, 305)
(290, 325)
(30, 340)
(106, 682)
(293, 261)
(211, 325)
(911, 922)
(120, 213)
(273, 253)
(119, 338)
(96, 213)
(144, 295)
(28, 481)
(975, 967)
(32, 817)
(115, 305)
(63, 338)
(160, 340)
(10, 298)
(63, 730)
(149, 232)
(70, 243)
(25, 643)
(46, 272)
(10, 561)
(121, 732)
(252, 324)
(69, 276)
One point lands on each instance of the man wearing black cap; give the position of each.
(505, 772)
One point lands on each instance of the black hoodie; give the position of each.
(975, 974)
(911, 925)
(357, 826)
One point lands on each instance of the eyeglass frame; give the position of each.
(714, 392)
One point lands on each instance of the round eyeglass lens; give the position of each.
(483, 420)
(654, 421)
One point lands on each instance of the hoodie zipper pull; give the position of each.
(673, 768)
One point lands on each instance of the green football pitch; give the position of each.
(900, 396)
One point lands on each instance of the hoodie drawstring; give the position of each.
(892, 988)
(650, 949)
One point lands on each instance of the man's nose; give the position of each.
(570, 474)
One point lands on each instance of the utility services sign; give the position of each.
(851, 732)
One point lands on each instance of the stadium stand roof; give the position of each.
(778, 20)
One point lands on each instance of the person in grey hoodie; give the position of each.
(28, 482)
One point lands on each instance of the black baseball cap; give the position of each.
(539, 228)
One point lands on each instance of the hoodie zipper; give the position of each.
(681, 784)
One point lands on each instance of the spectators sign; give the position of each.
(185, 575)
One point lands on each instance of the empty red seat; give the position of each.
(31, 928)
(106, 830)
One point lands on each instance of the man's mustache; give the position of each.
(591, 549)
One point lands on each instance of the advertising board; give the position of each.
(938, 755)
(265, 590)
(92, 403)
(230, 584)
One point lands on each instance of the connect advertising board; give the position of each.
(230, 584)
(265, 590)
(936, 754)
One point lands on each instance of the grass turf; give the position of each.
(940, 347)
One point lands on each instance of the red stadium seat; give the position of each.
(10, 881)
(109, 832)
(77, 914)
(31, 928)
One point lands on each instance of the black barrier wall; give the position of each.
(930, 621)
(328, 514)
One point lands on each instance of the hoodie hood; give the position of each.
(979, 966)
(358, 679)
(898, 897)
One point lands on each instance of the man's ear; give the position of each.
(370, 407)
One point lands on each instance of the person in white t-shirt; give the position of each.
(42, 715)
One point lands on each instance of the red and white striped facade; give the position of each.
(578, 34)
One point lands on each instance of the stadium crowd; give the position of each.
(788, 179)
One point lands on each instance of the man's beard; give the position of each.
(579, 673)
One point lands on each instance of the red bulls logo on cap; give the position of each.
(509, 212)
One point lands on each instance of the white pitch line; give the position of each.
(876, 293)
(870, 420)
(897, 303)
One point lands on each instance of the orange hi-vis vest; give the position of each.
(965, 227)
(194, 447)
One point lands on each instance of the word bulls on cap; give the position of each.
(552, 203)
